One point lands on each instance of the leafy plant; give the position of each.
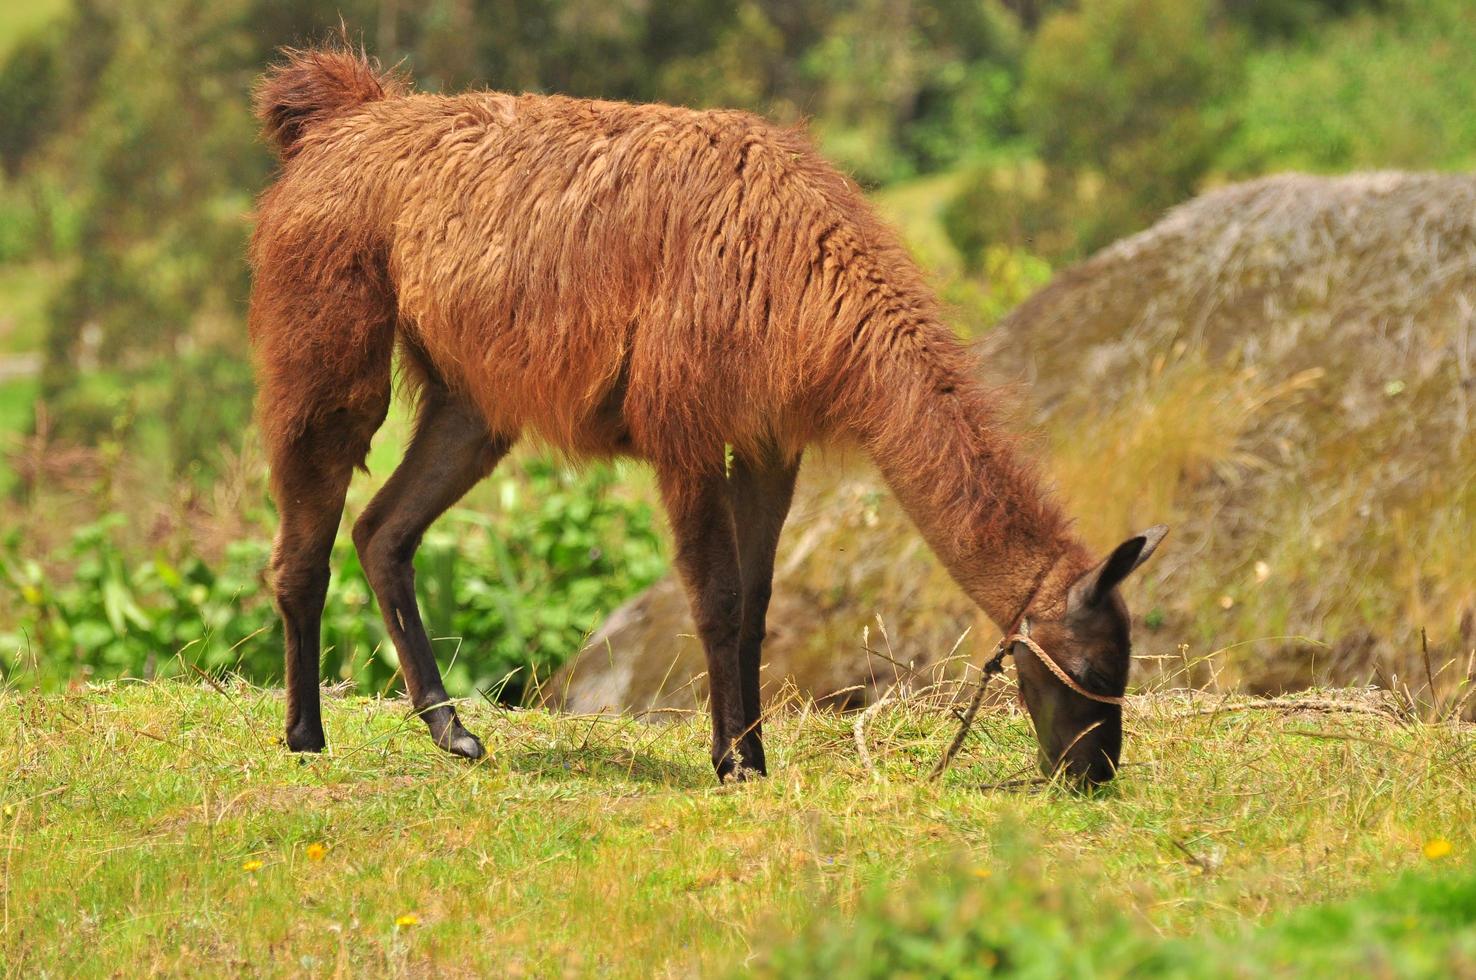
(506, 596)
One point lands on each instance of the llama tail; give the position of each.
(314, 84)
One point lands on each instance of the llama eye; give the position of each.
(1096, 680)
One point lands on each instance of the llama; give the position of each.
(645, 281)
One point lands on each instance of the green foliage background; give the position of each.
(516, 592)
(1018, 133)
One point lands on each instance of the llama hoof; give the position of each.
(306, 740)
(446, 731)
(729, 772)
(464, 744)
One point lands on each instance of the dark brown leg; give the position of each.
(707, 559)
(309, 478)
(450, 452)
(761, 493)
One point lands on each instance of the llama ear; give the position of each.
(1093, 586)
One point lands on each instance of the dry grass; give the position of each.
(1185, 425)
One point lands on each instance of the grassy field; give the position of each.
(159, 827)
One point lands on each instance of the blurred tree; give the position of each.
(1031, 12)
(745, 68)
(29, 99)
(1375, 91)
(1133, 91)
(160, 157)
(1274, 19)
(900, 87)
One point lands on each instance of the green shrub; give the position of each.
(30, 87)
(1281, 19)
(1375, 91)
(1007, 276)
(1014, 207)
(505, 596)
(903, 89)
(155, 411)
(1132, 92)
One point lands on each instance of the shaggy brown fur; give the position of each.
(639, 280)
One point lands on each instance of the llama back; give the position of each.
(610, 277)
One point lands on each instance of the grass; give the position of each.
(960, 923)
(17, 401)
(19, 19)
(160, 827)
(915, 208)
(25, 288)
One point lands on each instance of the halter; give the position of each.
(1020, 633)
(1022, 636)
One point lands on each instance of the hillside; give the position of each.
(1281, 370)
(159, 828)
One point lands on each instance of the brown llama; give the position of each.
(629, 280)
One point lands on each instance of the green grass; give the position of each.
(1016, 922)
(25, 289)
(17, 401)
(21, 17)
(134, 817)
(915, 208)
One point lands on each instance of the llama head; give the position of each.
(1090, 640)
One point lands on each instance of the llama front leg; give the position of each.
(761, 493)
(707, 559)
(450, 452)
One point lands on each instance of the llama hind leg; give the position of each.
(761, 493)
(707, 558)
(310, 475)
(322, 327)
(450, 452)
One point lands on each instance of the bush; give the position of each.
(904, 89)
(1280, 19)
(505, 596)
(1393, 90)
(1011, 207)
(155, 411)
(1131, 91)
(30, 83)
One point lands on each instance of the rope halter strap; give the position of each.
(1022, 636)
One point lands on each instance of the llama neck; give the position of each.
(935, 434)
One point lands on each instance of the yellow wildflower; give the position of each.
(1437, 848)
(981, 873)
(407, 920)
(316, 852)
(252, 865)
